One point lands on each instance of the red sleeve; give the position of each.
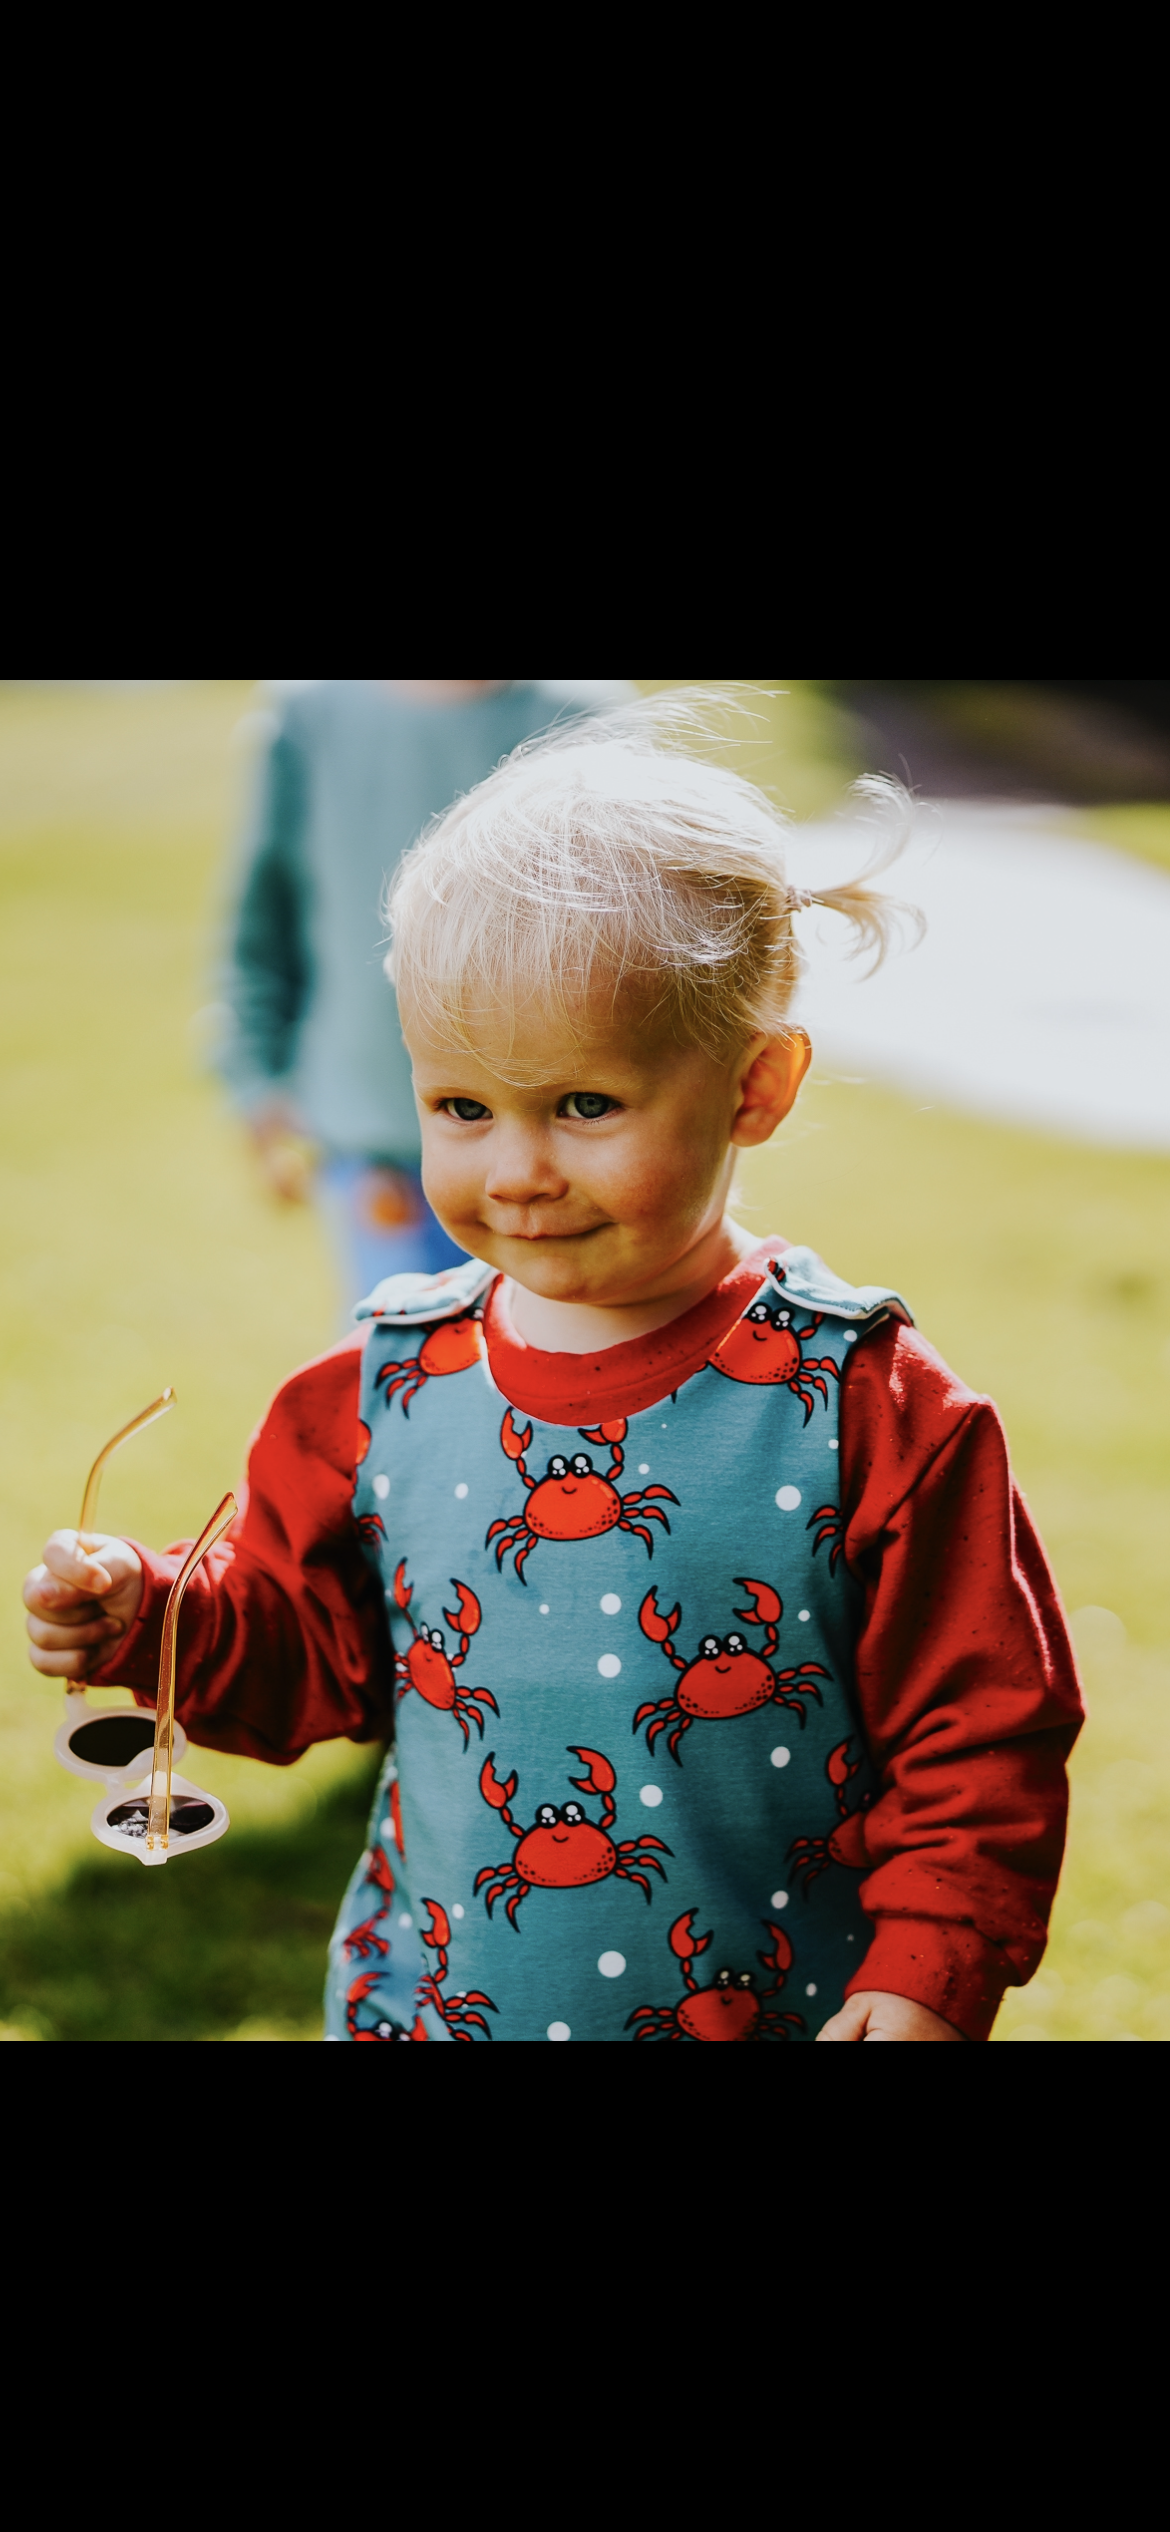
(968, 1688)
(283, 1638)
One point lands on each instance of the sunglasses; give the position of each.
(108, 1748)
(161, 1814)
(166, 1814)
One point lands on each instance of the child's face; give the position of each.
(595, 1186)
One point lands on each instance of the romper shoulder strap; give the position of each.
(803, 1277)
(418, 1300)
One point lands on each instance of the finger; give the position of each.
(59, 1665)
(53, 1637)
(849, 2024)
(79, 1569)
(57, 1599)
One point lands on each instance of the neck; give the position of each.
(588, 1327)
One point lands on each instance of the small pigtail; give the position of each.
(875, 917)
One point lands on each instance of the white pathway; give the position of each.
(1040, 994)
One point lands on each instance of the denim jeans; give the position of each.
(380, 1224)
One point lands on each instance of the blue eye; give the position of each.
(469, 1111)
(588, 1105)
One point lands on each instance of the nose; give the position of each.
(521, 1167)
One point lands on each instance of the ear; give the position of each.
(771, 1073)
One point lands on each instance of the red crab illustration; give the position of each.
(384, 2028)
(396, 1818)
(726, 1678)
(844, 1844)
(728, 2010)
(431, 1669)
(370, 1527)
(453, 1346)
(571, 1501)
(764, 1349)
(564, 1849)
(457, 2012)
(363, 1942)
(832, 1528)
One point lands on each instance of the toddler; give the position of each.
(725, 1683)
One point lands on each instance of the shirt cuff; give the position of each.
(947, 1967)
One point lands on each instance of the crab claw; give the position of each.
(495, 1789)
(402, 1589)
(439, 1934)
(767, 1607)
(839, 1767)
(600, 1779)
(469, 1613)
(378, 1870)
(614, 1431)
(780, 1956)
(365, 1437)
(512, 1440)
(652, 1622)
(682, 1942)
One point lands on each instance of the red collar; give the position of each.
(623, 1379)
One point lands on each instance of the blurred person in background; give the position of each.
(350, 770)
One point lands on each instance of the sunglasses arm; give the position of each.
(159, 1814)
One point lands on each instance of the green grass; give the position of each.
(1140, 827)
(136, 1249)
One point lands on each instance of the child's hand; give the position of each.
(880, 2017)
(80, 1599)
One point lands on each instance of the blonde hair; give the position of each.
(606, 861)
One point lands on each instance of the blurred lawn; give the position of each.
(137, 1250)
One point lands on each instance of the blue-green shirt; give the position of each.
(349, 776)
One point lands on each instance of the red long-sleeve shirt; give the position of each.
(965, 1678)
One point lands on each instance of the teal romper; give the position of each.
(627, 1748)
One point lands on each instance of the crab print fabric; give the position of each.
(626, 1731)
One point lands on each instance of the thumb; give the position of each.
(850, 2024)
(85, 1563)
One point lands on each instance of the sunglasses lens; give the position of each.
(187, 1815)
(112, 1740)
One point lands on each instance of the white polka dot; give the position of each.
(610, 1603)
(406, 1918)
(643, 1468)
(460, 1492)
(811, 1988)
(781, 1757)
(381, 1488)
(664, 1428)
(832, 1446)
(788, 1498)
(651, 1795)
(612, 1964)
(544, 1608)
(456, 1910)
(559, 2031)
(849, 1938)
(850, 1338)
(803, 1615)
(609, 1666)
(779, 1899)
